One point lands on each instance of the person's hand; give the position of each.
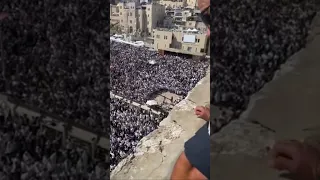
(202, 112)
(298, 158)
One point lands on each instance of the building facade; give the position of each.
(192, 3)
(114, 14)
(155, 14)
(134, 17)
(173, 4)
(185, 42)
(178, 4)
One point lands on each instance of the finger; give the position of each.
(283, 148)
(281, 163)
(199, 111)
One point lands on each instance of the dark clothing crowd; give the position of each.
(56, 57)
(30, 151)
(249, 42)
(129, 124)
(138, 73)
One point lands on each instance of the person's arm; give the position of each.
(202, 112)
(183, 170)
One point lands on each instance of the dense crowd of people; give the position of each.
(129, 124)
(29, 151)
(138, 73)
(249, 42)
(55, 57)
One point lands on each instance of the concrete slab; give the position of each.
(243, 167)
(290, 103)
(241, 137)
(239, 151)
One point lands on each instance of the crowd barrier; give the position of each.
(137, 43)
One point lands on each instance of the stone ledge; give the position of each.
(241, 137)
(283, 109)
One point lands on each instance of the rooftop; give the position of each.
(189, 31)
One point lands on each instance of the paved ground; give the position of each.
(157, 152)
(285, 108)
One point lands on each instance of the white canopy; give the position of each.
(151, 103)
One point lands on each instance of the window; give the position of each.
(120, 13)
(165, 37)
(158, 36)
(130, 14)
(121, 20)
(147, 22)
(148, 15)
(190, 24)
(182, 38)
(120, 7)
(198, 40)
(189, 48)
(202, 50)
(130, 21)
